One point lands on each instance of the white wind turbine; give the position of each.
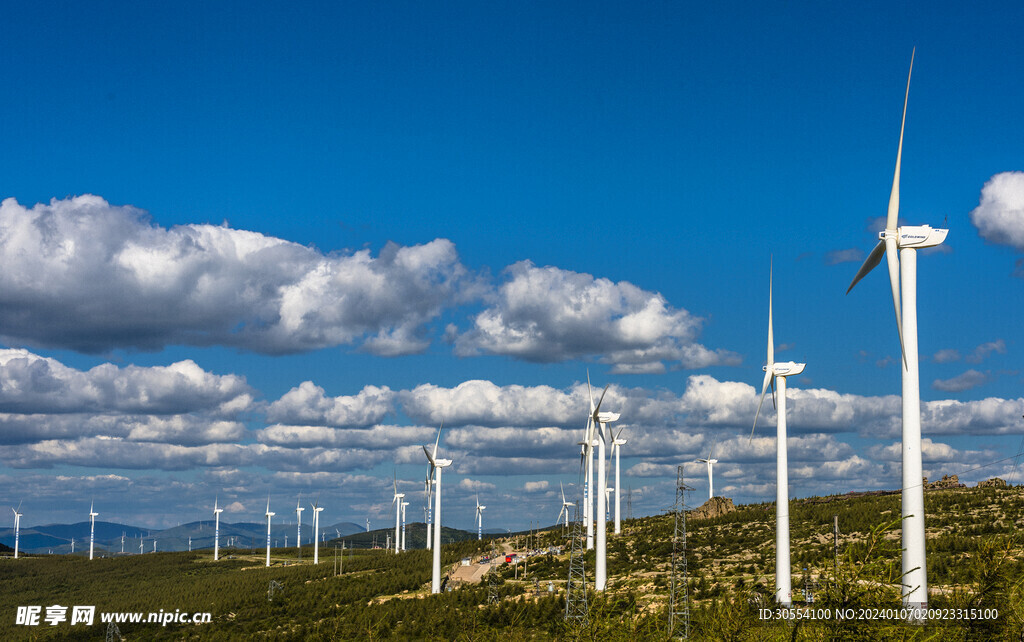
(17, 527)
(298, 522)
(92, 528)
(479, 518)
(396, 501)
(437, 465)
(601, 421)
(587, 461)
(777, 372)
(903, 280)
(617, 445)
(269, 515)
(565, 506)
(317, 509)
(216, 529)
(404, 504)
(710, 464)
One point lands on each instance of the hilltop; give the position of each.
(975, 559)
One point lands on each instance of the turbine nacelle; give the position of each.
(917, 236)
(607, 417)
(785, 368)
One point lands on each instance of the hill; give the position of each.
(976, 560)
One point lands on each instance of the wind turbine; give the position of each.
(92, 528)
(216, 529)
(396, 501)
(298, 521)
(17, 527)
(565, 506)
(777, 372)
(587, 461)
(479, 518)
(437, 465)
(903, 281)
(710, 463)
(269, 515)
(617, 445)
(317, 509)
(601, 421)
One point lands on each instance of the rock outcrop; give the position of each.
(714, 507)
(995, 482)
(947, 481)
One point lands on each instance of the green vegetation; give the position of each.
(976, 560)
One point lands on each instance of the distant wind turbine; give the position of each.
(907, 240)
(216, 529)
(437, 465)
(298, 522)
(17, 527)
(600, 421)
(710, 463)
(479, 518)
(269, 515)
(404, 504)
(427, 488)
(92, 528)
(565, 506)
(317, 509)
(396, 501)
(776, 373)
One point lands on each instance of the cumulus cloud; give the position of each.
(80, 273)
(949, 355)
(30, 383)
(964, 381)
(999, 215)
(548, 314)
(374, 438)
(307, 404)
(483, 402)
(474, 485)
(535, 486)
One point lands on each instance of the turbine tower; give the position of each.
(479, 518)
(427, 488)
(298, 522)
(404, 504)
(269, 515)
(396, 501)
(903, 280)
(777, 372)
(617, 445)
(317, 509)
(710, 463)
(436, 466)
(216, 529)
(17, 527)
(601, 420)
(92, 528)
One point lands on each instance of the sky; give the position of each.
(258, 249)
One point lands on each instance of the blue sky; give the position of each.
(507, 194)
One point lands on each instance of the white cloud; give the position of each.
(835, 257)
(474, 485)
(30, 383)
(535, 486)
(999, 216)
(982, 352)
(964, 381)
(374, 438)
(83, 274)
(483, 402)
(549, 314)
(308, 405)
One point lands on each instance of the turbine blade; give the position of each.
(600, 401)
(870, 263)
(764, 390)
(436, 442)
(430, 457)
(775, 404)
(894, 281)
(560, 487)
(590, 392)
(892, 217)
